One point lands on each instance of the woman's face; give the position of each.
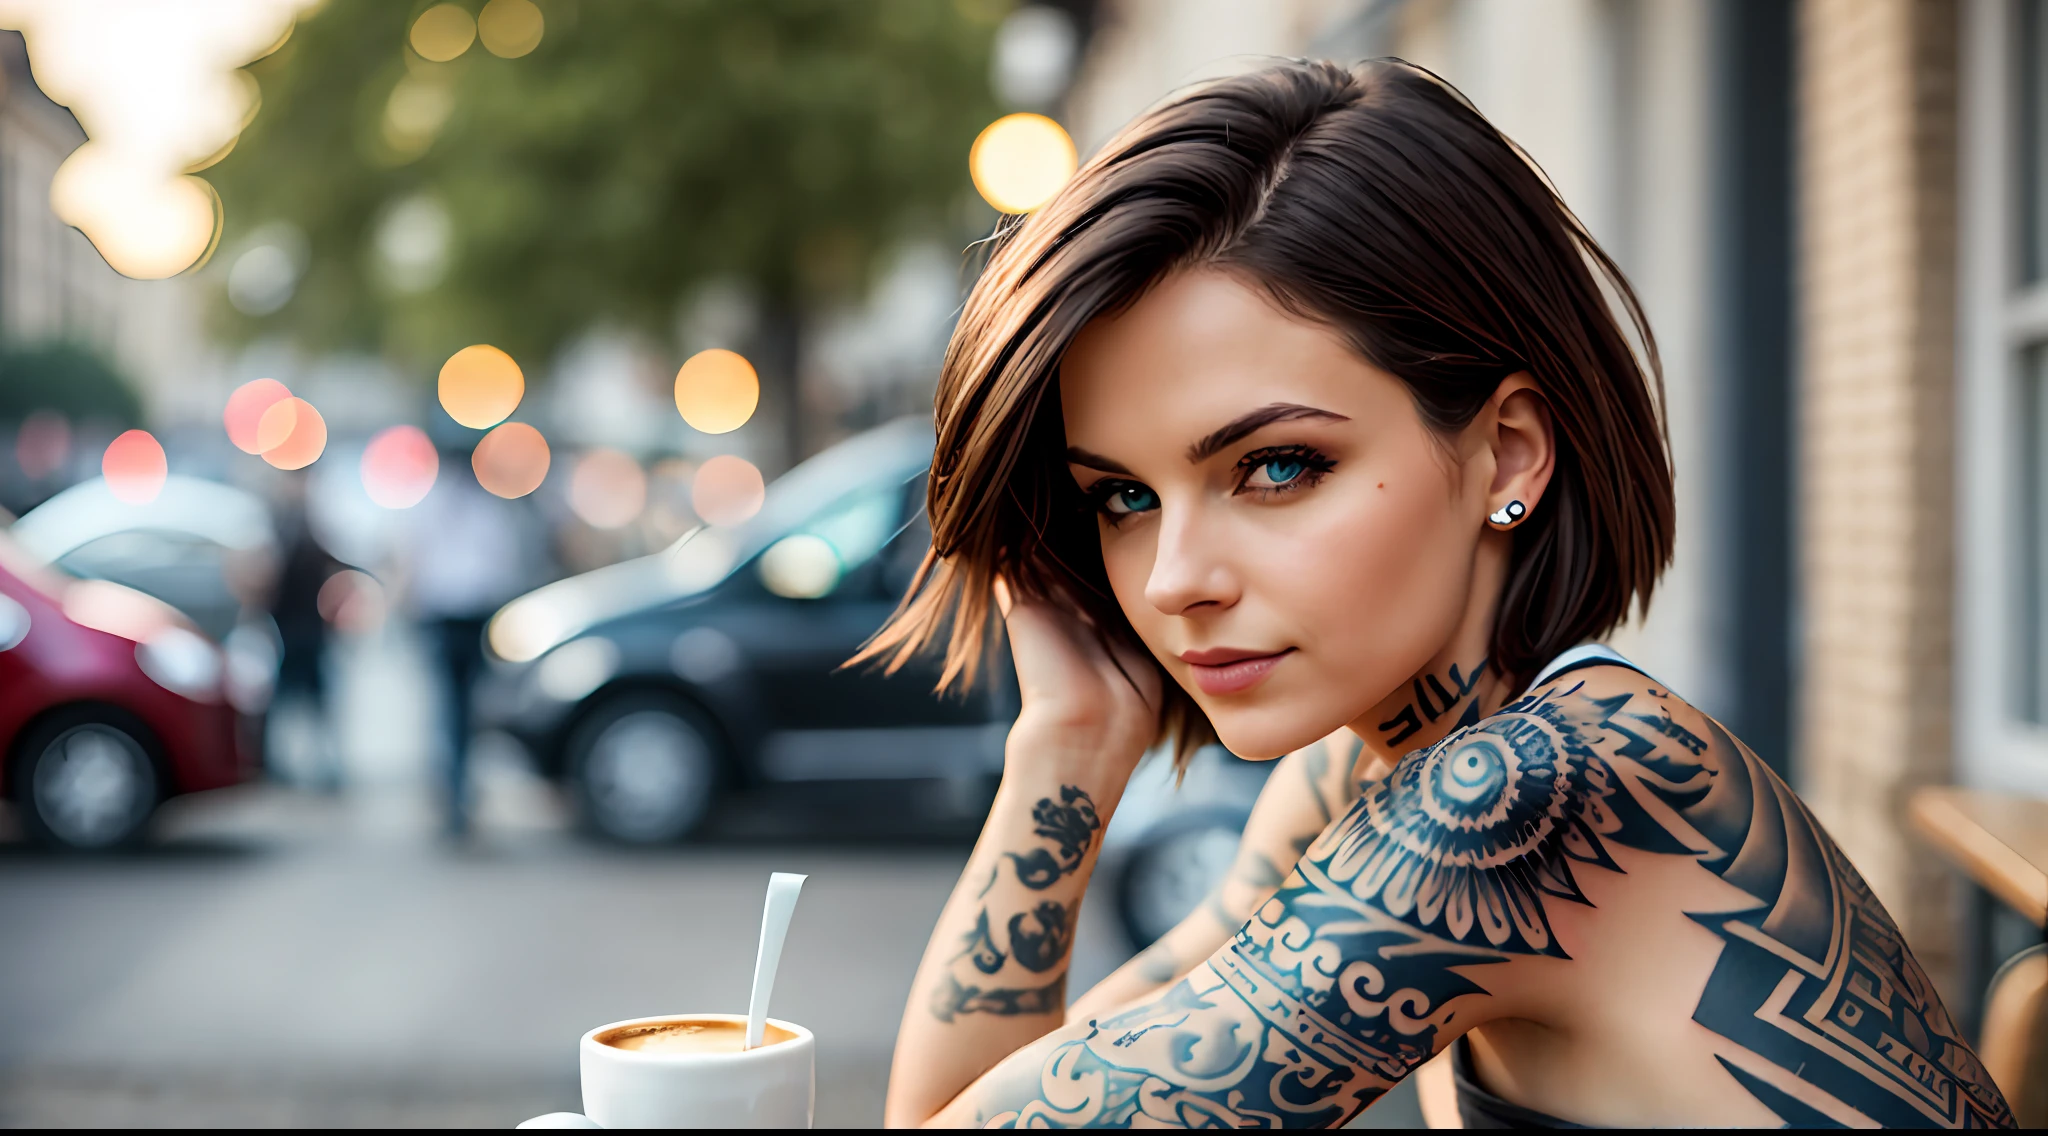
(1281, 528)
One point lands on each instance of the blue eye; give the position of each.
(1276, 469)
(1276, 473)
(1128, 498)
(1280, 471)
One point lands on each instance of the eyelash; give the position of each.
(1315, 466)
(1098, 496)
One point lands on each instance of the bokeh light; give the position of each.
(728, 490)
(510, 28)
(511, 461)
(245, 410)
(442, 33)
(43, 445)
(134, 467)
(608, 489)
(292, 434)
(1020, 161)
(481, 386)
(353, 601)
(399, 467)
(414, 114)
(800, 567)
(717, 391)
(159, 91)
(147, 227)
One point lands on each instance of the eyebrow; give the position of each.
(1092, 460)
(1245, 424)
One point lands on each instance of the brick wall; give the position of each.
(1877, 375)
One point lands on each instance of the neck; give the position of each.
(1456, 688)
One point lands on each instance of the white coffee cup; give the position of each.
(770, 1086)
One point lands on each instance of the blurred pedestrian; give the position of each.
(304, 751)
(466, 553)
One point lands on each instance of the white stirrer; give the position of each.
(782, 892)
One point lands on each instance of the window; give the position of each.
(2002, 447)
(2029, 343)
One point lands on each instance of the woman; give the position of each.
(1303, 409)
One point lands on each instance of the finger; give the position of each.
(1127, 663)
(1040, 630)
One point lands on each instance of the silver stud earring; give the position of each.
(1508, 515)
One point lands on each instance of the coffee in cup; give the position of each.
(693, 1071)
(689, 1035)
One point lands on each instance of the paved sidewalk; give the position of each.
(294, 961)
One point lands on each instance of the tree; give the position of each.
(644, 148)
(74, 381)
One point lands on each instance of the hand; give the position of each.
(1080, 699)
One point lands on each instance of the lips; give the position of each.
(1229, 670)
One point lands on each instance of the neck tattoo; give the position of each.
(1433, 697)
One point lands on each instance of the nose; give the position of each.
(1190, 565)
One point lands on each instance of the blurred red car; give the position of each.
(110, 703)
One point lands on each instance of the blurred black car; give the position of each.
(1174, 837)
(653, 687)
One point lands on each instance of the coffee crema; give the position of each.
(689, 1035)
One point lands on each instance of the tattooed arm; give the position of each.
(1307, 790)
(1597, 867)
(994, 975)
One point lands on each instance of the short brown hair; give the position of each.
(1373, 200)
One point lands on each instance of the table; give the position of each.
(2000, 842)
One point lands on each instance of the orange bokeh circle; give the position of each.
(717, 391)
(245, 410)
(511, 461)
(481, 386)
(292, 433)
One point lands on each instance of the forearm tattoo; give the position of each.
(1070, 825)
(1351, 975)
(1040, 937)
(1253, 874)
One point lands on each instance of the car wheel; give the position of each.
(645, 770)
(87, 785)
(1173, 868)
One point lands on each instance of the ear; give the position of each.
(1524, 445)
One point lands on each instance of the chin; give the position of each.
(1263, 733)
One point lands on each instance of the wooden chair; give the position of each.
(2014, 1043)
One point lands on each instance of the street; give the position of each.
(283, 961)
(278, 957)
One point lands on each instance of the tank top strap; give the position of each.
(1585, 655)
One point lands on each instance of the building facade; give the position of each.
(55, 286)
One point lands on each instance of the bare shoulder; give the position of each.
(1472, 844)
(1475, 838)
(1832, 1018)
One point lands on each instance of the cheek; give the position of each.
(1127, 561)
(1374, 582)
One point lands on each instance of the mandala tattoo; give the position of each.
(1353, 973)
(1041, 937)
